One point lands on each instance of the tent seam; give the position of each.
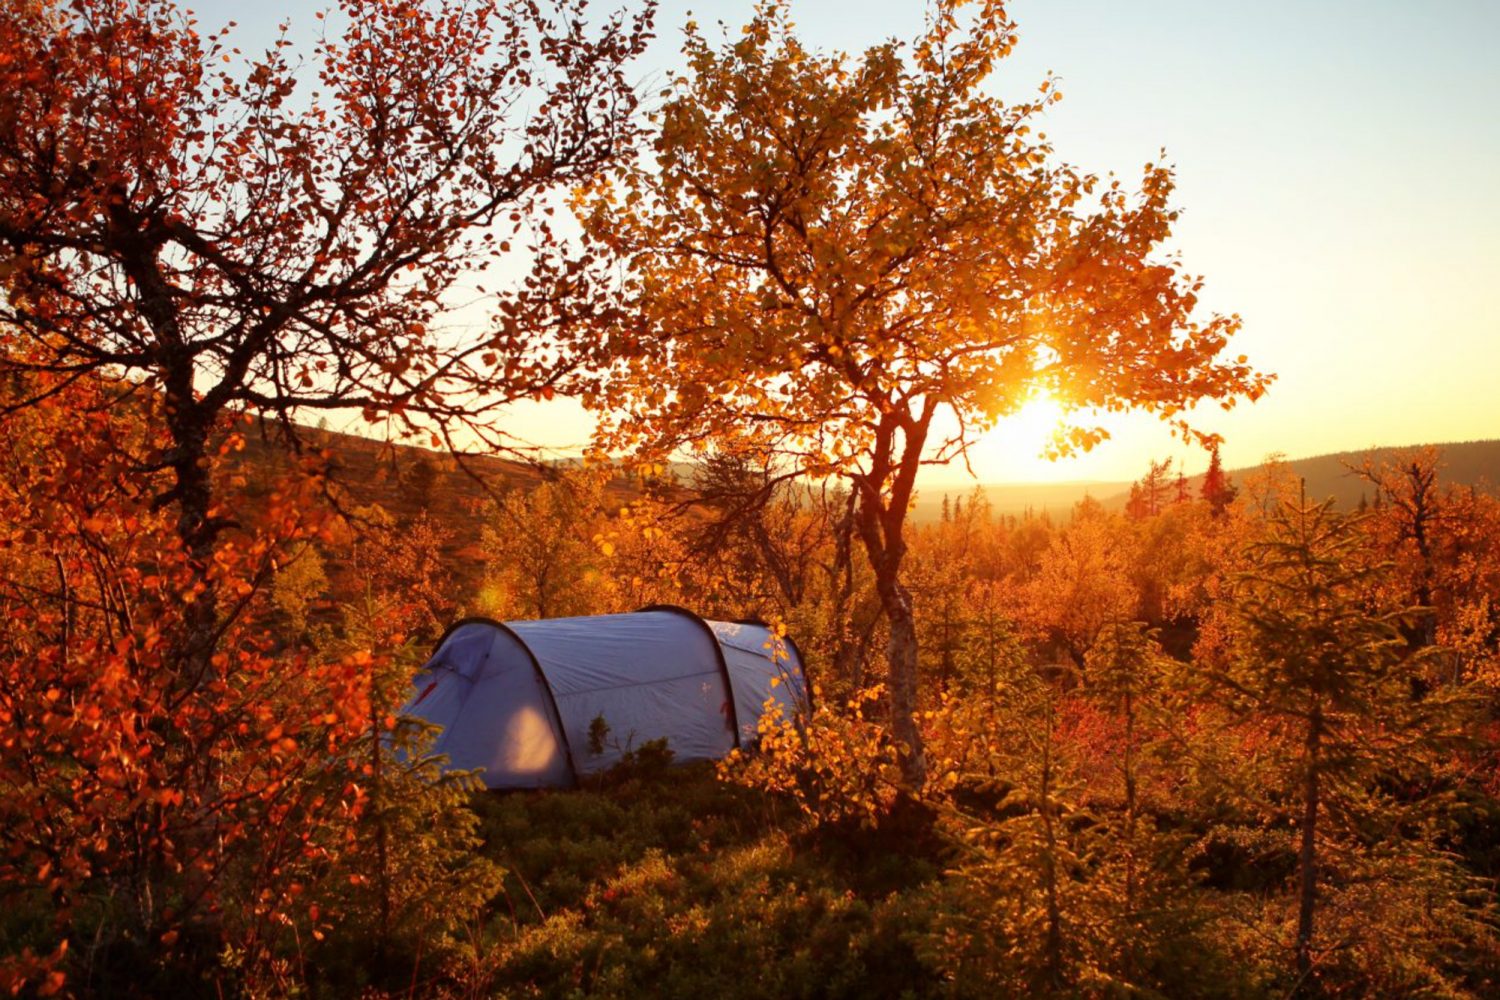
(791, 644)
(536, 664)
(713, 637)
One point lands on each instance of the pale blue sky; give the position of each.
(1339, 167)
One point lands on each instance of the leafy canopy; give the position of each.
(286, 231)
(826, 250)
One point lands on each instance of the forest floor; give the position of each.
(672, 883)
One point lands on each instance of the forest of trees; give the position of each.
(1242, 748)
(1231, 741)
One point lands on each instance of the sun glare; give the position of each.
(1013, 450)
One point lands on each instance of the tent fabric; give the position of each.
(649, 675)
(761, 667)
(517, 699)
(484, 688)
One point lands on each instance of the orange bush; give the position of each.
(144, 809)
(836, 764)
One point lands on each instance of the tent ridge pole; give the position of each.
(734, 715)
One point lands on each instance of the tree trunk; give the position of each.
(901, 658)
(1052, 947)
(881, 533)
(1422, 479)
(197, 529)
(377, 814)
(846, 658)
(945, 670)
(1307, 857)
(881, 519)
(190, 422)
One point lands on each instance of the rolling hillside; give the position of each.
(1468, 463)
(404, 478)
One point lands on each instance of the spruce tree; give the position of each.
(1331, 676)
(1217, 489)
(1065, 885)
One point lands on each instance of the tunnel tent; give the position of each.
(517, 699)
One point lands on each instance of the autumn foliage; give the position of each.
(852, 266)
(138, 799)
(1210, 738)
(196, 247)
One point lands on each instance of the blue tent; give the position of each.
(516, 699)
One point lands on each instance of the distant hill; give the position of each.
(1015, 498)
(404, 478)
(1466, 463)
(1462, 463)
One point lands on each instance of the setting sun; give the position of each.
(1014, 450)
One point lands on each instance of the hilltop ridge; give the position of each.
(1465, 463)
(402, 477)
